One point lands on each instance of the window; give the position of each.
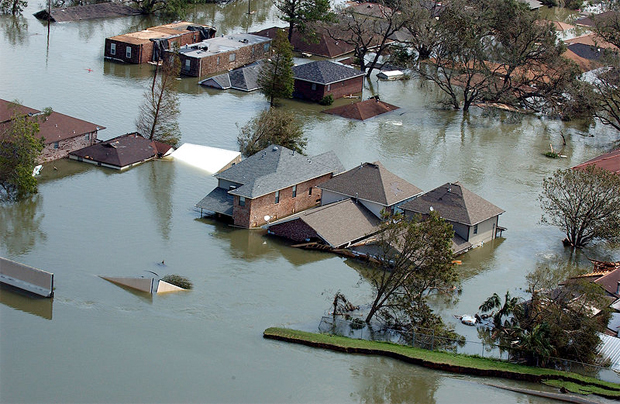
(218, 61)
(266, 47)
(277, 196)
(55, 145)
(112, 49)
(232, 57)
(188, 64)
(87, 136)
(294, 191)
(241, 201)
(128, 52)
(475, 229)
(313, 86)
(310, 191)
(329, 87)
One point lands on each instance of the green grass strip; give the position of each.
(446, 361)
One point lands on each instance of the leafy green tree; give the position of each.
(13, 7)
(300, 13)
(272, 126)
(275, 78)
(20, 148)
(159, 112)
(415, 261)
(584, 203)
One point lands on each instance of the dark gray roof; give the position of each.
(221, 82)
(454, 203)
(277, 167)
(218, 201)
(586, 51)
(246, 78)
(338, 223)
(324, 72)
(87, 12)
(372, 182)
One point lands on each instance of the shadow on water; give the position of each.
(15, 29)
(26, 302)
(143, 296)
(158, 189)
(20, 225)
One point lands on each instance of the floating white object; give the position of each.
(391, 75)
(468, 320)
(37, 170)
(210, 159)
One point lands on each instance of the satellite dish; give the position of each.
(431, 208)
(267, 217)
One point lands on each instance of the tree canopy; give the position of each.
(159, 112)
(584, 203)
(299, 13)
(415, 261)
(271, 126)
(20, 148)
(275, 78)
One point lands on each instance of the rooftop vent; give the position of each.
(275, 148)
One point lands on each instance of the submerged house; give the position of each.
(243, 79)
(362, 110)
(148, 45)
(61, 133)
(372, 185)
(222, 54)
(475, 220)
(271, 184)
(321, 78)
(608, 161)
(121, 152)
(321, 45)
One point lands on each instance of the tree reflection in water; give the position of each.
(20, 224)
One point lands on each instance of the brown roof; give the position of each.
(372, 182)
(338, 223)
(157, 32)
(362, 110)
(608, 161)
(122, 151)
(454, 203)
(323, 45)
(610, 282)
(592, 40)
(591, 20)
(8, 109)
(87, 12)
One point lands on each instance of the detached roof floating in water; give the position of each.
(209, 159)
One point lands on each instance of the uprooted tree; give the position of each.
(584, 203)
(415, 261)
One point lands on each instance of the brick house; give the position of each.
(475, 220)
(271, 184)
(148, 45)
(222, 54)
(315, 80)
(61, 133)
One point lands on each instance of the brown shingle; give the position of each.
(362, 110)
(608, 161)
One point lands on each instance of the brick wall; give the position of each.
(143, 53)
(254, 212)
(303, 89)
(219, 63)
(295, 230)
(51, 152)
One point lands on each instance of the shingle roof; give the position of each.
(88, 12)
(338, 223)
(121, 151)
(608, 161)
(323, 46)
(277, 167)
(246, 77)
(218, 201)
(8, 109)
(221, 81)
(372, 182)
(362, 110)
(324, 72)
(455, 203)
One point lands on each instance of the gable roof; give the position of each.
(362, 110)
(590, 21)
(221, 82)
(275, 168)
(338, 223)
(608, 161)
(8, 109)
(372, 182)
(122, 151)
(243, 78)
(454, 203)
(324, 72)
(87, 12)
(322, 45)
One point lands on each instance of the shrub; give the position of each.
(178, 280)
(327, 100)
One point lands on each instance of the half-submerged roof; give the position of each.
(325, 72)
(372, 182)
(608, 161)
(275, 168)
(8, 109)
(338, 223)
(362, 110)
(321, 45)
(87, 12)
(454, 203)
(243, 79)
(122, 151)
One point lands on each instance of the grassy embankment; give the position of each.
(466, 364)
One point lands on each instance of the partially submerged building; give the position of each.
(87, 12)
(121, 152)
(149, 45)
(243, 79)
(475, 220)
(362, 110)
(271, 184)
(222, 54)
(607, 161)
(61, 133)
(316, 80)
(321, 45)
